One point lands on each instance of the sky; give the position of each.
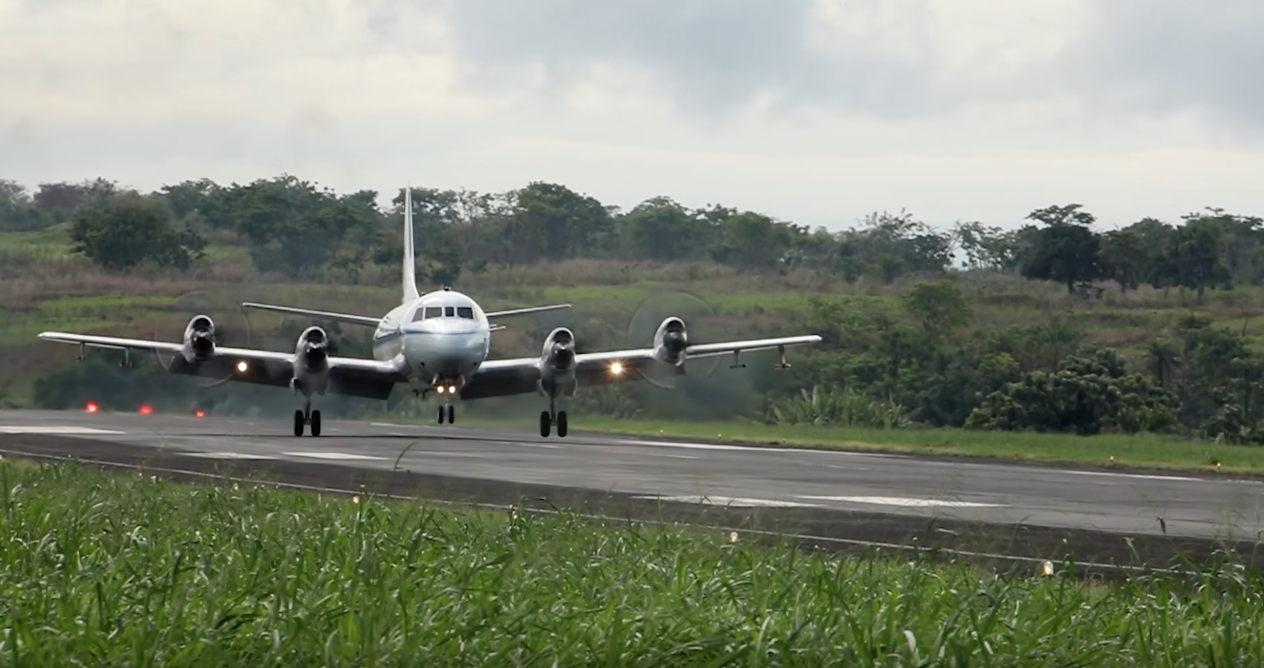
(811, 111)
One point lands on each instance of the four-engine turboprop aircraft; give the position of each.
(438, 341)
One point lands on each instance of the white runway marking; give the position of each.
(904, 502)
(225, 455)
(755, 448)
(332, 455)
(740, 502)
(1144, 476)
(38, 429)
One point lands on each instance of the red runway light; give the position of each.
(146, 409)
(92, 407)
(199, 413)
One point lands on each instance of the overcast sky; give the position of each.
(814, 111)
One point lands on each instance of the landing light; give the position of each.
(440, 389)
(616, 368)
(242, 366)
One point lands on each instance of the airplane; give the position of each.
(439, 342)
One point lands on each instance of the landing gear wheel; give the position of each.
(299, 422)
(315, 423)
(441, 415)
(561, 423)
(545, 423)
(451, 414)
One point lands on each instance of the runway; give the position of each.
(889, 494)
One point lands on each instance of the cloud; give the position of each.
(894, 59)
(817, 111)
(1162, 57)
(714, 57)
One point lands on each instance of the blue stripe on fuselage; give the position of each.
(390, 336)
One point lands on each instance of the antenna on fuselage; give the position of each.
(410, 262)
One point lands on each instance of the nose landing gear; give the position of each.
(306, 417)
(451, 413)
(553, 417)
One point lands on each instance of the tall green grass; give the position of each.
(129, 570)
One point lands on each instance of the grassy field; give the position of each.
(129, 570)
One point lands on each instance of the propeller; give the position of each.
(232, 328)
(699, 317)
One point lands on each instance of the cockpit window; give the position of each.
(449, 311)
(433, 312)
(466, 312)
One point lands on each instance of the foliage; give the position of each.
(835, 406)
(1087, 394)
(938, 306)
(129, 230)
(1066, 250)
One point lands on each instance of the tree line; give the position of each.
(923, 360)
(296, 227)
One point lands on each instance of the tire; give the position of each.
(315, 423)
(441, 415)
(298, 423)
(545, 423)
(451, 414)
(561, 423)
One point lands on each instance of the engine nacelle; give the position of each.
(311, 363)
(557, 364)
(312, 349)
(558, 353)
(671, 340)
(199, 338)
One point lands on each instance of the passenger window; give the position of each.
(433, 311)
(466, 312)
(448, 311)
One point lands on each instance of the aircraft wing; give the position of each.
(318, 315)
(372, 379)
(524, 311)
(497, 378)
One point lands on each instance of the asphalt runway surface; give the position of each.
(831, 498)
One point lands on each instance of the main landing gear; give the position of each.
(451, 412)
(305, 417)
(552, 417)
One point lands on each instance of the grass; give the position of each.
(129, 570)
(1111, 450)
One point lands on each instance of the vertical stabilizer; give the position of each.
(410, 262)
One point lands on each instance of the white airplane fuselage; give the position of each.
(442, 337)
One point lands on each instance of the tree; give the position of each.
(660, 229)
(1193, 258)
(66, 196)
(940, 306)
(1066, 253)
(1124, 259)
(293, 225)
(554, 221)
(984, 246)
(17, 210)
(753, 241)
(129, 230)
(189, 196)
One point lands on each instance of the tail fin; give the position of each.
(410, 263)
